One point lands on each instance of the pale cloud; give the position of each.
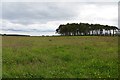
(60, 0)
(103, 14)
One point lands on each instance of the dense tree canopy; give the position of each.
(70, 29)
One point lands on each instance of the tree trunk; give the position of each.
(92, 32)
(113, 32)
(110, 32)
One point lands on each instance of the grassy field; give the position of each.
(60, 57)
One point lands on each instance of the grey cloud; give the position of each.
(13, 30)
(26, 13)
(29, 30)
(60, 0)
(42, 12)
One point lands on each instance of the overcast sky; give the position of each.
(42, 18)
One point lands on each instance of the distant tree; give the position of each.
(72, 29)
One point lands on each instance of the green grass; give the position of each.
(60, 57)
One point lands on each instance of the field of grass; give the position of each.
(60, 57)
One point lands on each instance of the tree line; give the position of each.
(13, 35)
(73, 29)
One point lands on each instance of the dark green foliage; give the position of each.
(74, 29)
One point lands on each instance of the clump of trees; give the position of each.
(73, 29)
